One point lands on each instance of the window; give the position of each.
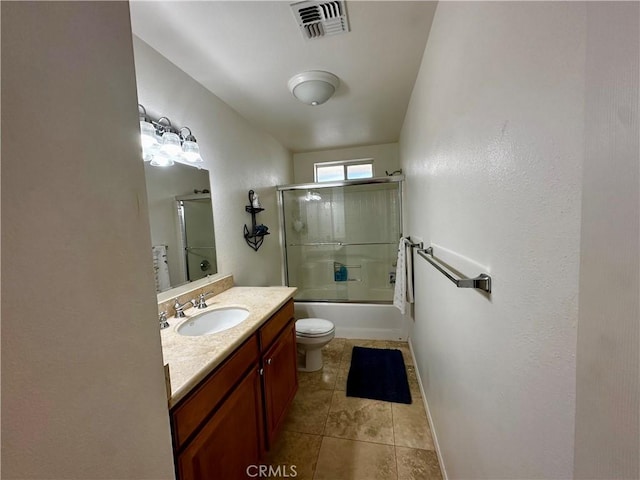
(343, 170)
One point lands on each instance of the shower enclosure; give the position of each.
(341, 239)
(197, 240)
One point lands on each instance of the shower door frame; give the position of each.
(182, 233)
(399, 179)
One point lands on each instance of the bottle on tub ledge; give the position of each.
(340, 272)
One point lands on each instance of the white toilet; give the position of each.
(311, 335)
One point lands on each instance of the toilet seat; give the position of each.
(314, 327)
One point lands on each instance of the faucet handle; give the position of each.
(197, 302)
(164, 323)
(200, 301)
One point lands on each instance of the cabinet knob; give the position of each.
(261, 371)
(269, 361)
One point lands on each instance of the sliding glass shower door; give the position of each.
(197, 238)
(341, 240)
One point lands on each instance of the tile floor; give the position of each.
(329, 436)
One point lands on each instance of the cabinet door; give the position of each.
(280, 379)
(231, 440)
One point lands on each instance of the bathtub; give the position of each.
(359, 320)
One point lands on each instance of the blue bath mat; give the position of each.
(379, 374)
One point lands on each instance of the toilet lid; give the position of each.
(311, 327)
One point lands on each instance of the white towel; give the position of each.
(409, 271)
(161, 267)
(404, 278)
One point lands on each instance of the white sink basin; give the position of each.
(213, 321)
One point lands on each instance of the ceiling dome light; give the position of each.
(314, 87)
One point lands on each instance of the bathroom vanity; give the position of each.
(231, 390)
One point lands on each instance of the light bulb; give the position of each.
(191, 151)
(171, 143)
(162, 159)
(147, 135)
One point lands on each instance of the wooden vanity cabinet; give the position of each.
(230, 441)
(228, 421)
(193, 410)
(280, 378)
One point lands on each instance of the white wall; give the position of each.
(607, 397)
(492, 147)
(238, 156)
(83, 392)
(386, 157)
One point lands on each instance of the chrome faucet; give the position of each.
(179, 307)
(164, 323)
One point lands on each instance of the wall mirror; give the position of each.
(181, 220)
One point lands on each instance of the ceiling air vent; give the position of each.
(321, 19)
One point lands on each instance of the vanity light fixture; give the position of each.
(314, 87)
(170, 138)
(147, 134)
(163, 144)
(161, 159)
(190, 149)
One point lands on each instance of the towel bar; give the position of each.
(412, 244)
(337, 244)
(481, 282)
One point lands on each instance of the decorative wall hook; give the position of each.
(254, 236)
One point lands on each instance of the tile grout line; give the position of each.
(322, 435)
(362, 441)
(395, 447)
(326, 420)
(315, 469)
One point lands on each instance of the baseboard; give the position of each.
(429, 419)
